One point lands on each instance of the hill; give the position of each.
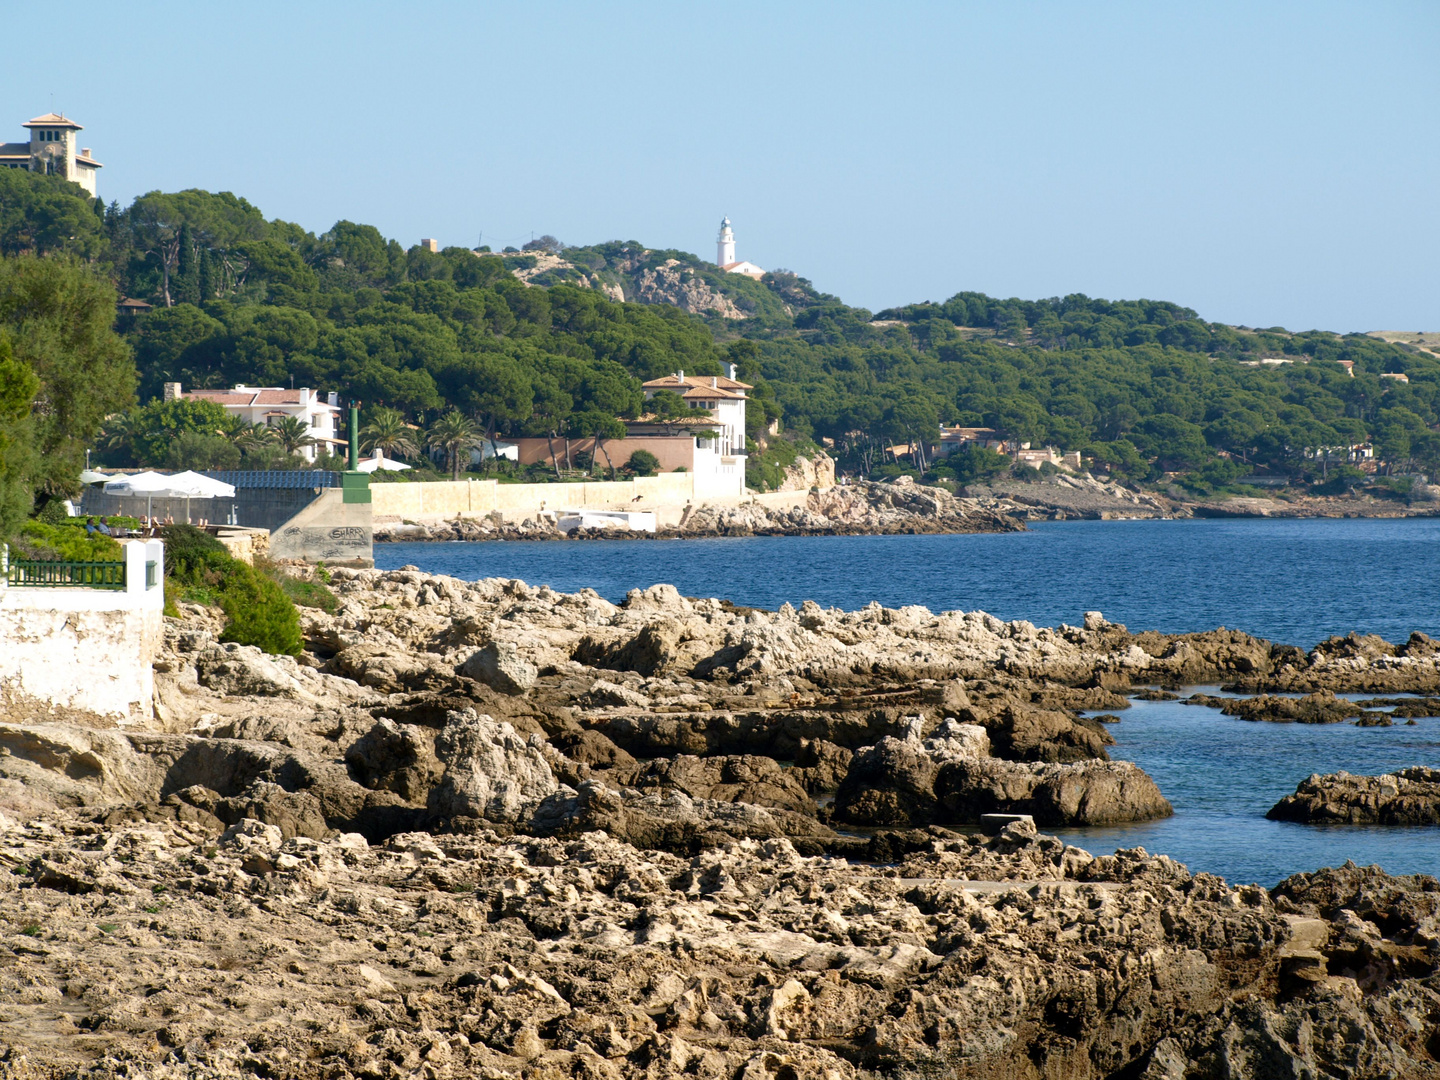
(544, 340)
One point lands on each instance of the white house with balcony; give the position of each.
(268, 405)
(722, 396)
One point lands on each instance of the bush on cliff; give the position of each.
(257, 611)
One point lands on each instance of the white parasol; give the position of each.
(185, 485)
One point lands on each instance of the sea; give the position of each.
(1291, 581)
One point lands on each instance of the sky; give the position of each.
(1265, 163)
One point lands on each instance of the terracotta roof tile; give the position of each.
(673, 382)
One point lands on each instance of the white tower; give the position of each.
(725, 245)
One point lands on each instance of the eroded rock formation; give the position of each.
(485, 828)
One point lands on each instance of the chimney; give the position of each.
(431, 245)
(680, 376)
(714, 383)
(85, 151)
(172, 391)
(730, 371)
(332, 398)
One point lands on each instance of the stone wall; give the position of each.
(447, 499)
(84, 652)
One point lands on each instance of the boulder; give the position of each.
(671, 820)
(603, 693)
(1078, 793)
(821, 765)
(395, 757)
(594, 748)
(1321, 707)
(500, 666)
(245, 671)
(389, 669)
(490, 771)
(893, 782)
(760, 781)
(1023, 733)
(1406, 797)
(654, 647)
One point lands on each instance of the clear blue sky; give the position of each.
(1266, 163)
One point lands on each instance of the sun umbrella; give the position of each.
(90, 476)
(186, 485)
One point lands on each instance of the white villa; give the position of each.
(725, 254)
(269, 404)
(722, 396)
(52, 150)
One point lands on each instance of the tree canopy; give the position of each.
(1140, 387)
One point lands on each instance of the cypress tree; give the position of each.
(207, 275)
(184, 283)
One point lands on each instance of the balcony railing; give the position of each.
(33, 573)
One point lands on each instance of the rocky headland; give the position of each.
(481, 828)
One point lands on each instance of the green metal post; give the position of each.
(354, 435)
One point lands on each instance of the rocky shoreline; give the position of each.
(902, 507)
(485, 828)
(858, 509)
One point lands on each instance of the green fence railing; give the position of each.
(87, 575)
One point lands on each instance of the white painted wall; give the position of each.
(84, 650)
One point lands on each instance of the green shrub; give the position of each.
(973, 462)
(54, 513)
(68, 542)
(191, 553)
(311, 594)
(642, 463)
(1343, 478)
(258, 612)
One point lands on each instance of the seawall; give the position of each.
(666, 495)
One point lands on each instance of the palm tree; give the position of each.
(455, 434)
(118, 431)
(388, 431)
(292, 433)
(249, 437)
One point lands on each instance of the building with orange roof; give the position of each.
(722, 396)
(269, 405)
(53, 150)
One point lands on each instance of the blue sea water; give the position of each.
(1293, 581)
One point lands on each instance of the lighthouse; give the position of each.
(725, 244)
(725, 254)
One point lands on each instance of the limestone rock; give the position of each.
(499, 665)
(395, 757)
(1079, 793)
(490, 771)
(603, 693)
(1406, 797)
(760, 781)
(1322, 707)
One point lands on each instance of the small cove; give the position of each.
(1293, 581)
